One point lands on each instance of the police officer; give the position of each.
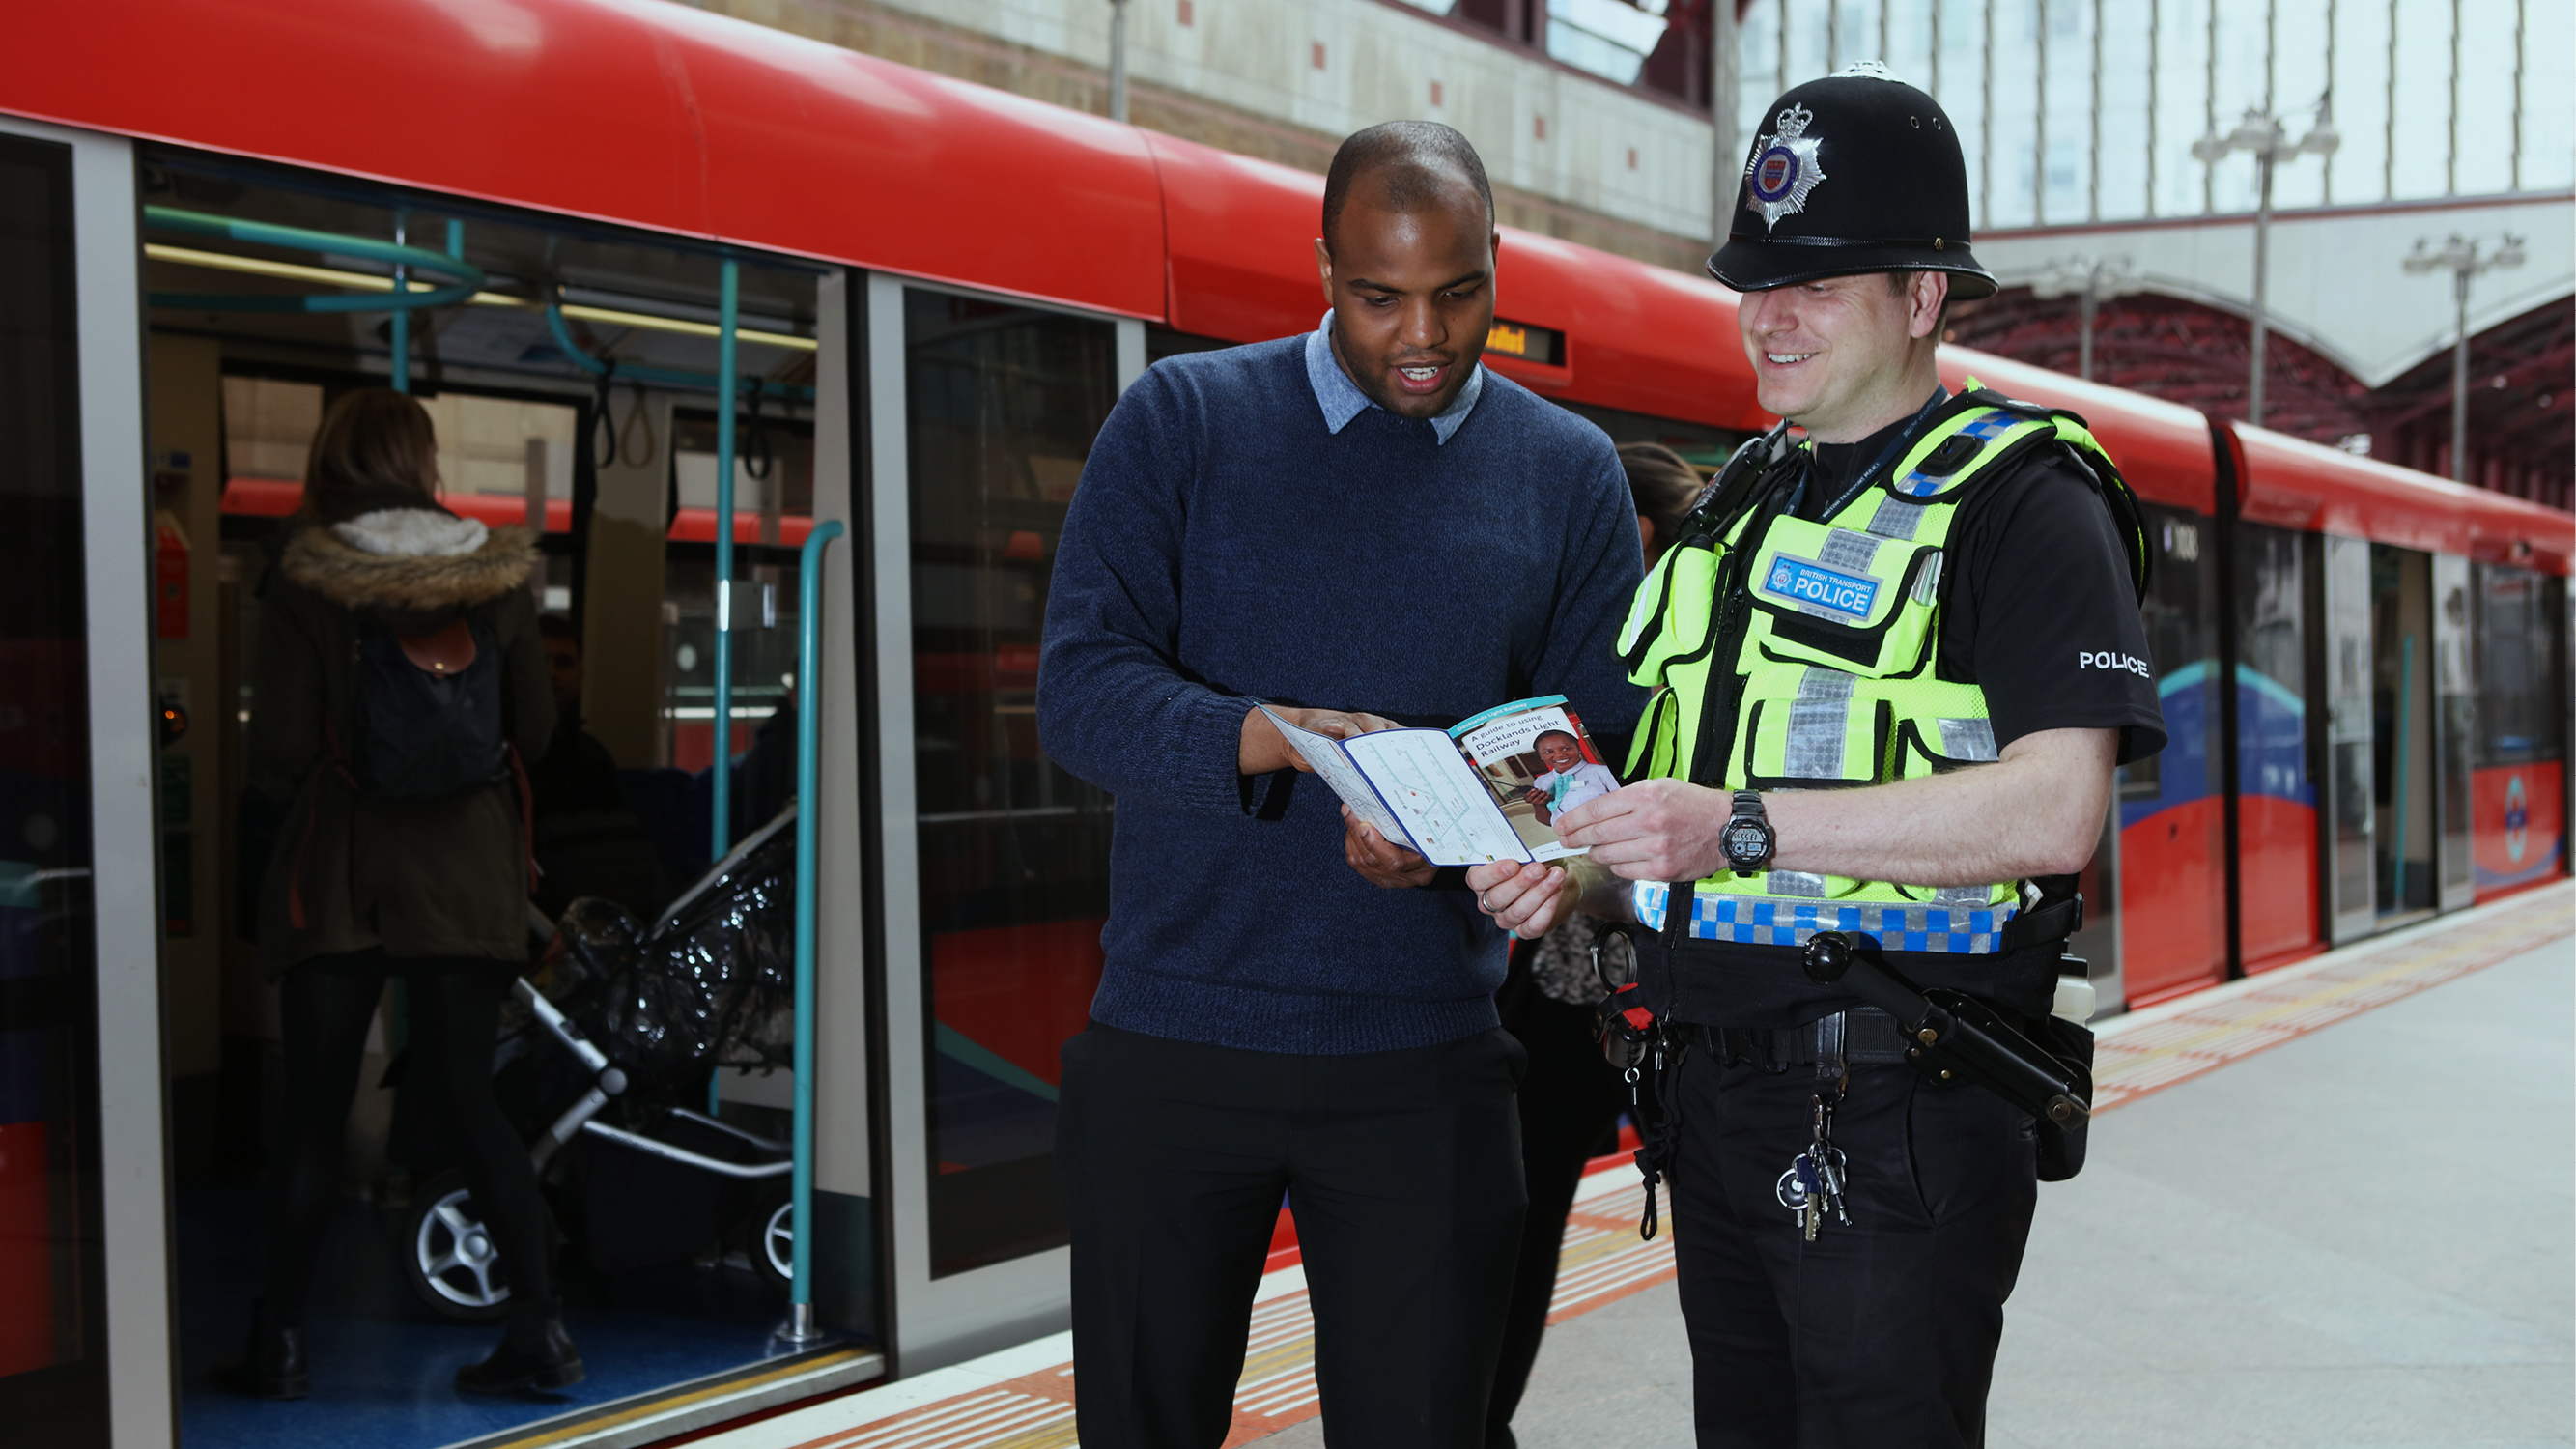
(1898, 661)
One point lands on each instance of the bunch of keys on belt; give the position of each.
(1813, 1185)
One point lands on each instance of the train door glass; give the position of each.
(1002, 404)
(2401, 723)
(2172, 832)
(2345, 669)
(662, 1268)
(2518, 780)
(2454, 727)
(2276, 799)
(53, 1382)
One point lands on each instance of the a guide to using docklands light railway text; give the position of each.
(1488, 788)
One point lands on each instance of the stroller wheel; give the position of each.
(452, 1262)
(773, 1242)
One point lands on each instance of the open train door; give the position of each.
(84, 1250)
(993, 860)
(2346, 823)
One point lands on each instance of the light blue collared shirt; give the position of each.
(1342, 399)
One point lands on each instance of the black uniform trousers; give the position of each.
(1880, 1334)
(1403, 1169)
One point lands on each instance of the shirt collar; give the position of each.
(1342, 400)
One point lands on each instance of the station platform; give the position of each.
(2329, 1206)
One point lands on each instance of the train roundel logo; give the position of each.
(2517, 820)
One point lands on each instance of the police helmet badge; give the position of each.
(1783, 169)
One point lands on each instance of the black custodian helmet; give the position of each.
(1857, 172)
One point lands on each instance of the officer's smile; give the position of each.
(1786, 359)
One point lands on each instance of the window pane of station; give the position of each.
(52, 1385)
(1003, 404)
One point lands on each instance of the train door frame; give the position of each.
(2454, 737)
(933, 1321)
(116, 540)
(2342, 679)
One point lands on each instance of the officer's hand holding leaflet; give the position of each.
(2036, 811)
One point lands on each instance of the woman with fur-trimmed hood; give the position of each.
(368, 881)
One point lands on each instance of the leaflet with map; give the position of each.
(1487, 788)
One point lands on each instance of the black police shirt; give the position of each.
(2039, 612)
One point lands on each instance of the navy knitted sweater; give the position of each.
(1225, 547)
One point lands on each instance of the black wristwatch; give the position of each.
(1748, 840)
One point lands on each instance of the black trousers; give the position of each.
(326, 1005)
(1570, 1102)
(1882, 1333)
(1404, 1171)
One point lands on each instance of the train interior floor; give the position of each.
(383, 1364)
(2358, 1237)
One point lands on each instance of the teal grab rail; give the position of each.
(728, 300)
(464, 278)
(657, 376)
(809, 714)
(720, 813)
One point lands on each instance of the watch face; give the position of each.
(1746, 840)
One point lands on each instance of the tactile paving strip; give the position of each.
(2269, 1010)
(1604, 1261)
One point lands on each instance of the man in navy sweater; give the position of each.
(1362, 517)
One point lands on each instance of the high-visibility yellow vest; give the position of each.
(1805, 656)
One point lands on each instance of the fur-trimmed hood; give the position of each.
(409, 560)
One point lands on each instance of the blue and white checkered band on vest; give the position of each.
(1751, 921)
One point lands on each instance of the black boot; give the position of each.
(535, 1352)
(272, 1362)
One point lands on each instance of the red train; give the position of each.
(2364, 670)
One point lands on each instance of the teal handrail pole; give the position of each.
(402, 318)
(464, 278)
(809, 714)
(724, 563)
(730, 294)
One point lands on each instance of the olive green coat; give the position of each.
(419, 878)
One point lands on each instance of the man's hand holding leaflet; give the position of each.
(1414, 788)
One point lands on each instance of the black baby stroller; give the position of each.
(642, 1015)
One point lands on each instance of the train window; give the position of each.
(51, 1333)
(2517, 679)
(1003, 404)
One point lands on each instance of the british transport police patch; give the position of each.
(1784, 170)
